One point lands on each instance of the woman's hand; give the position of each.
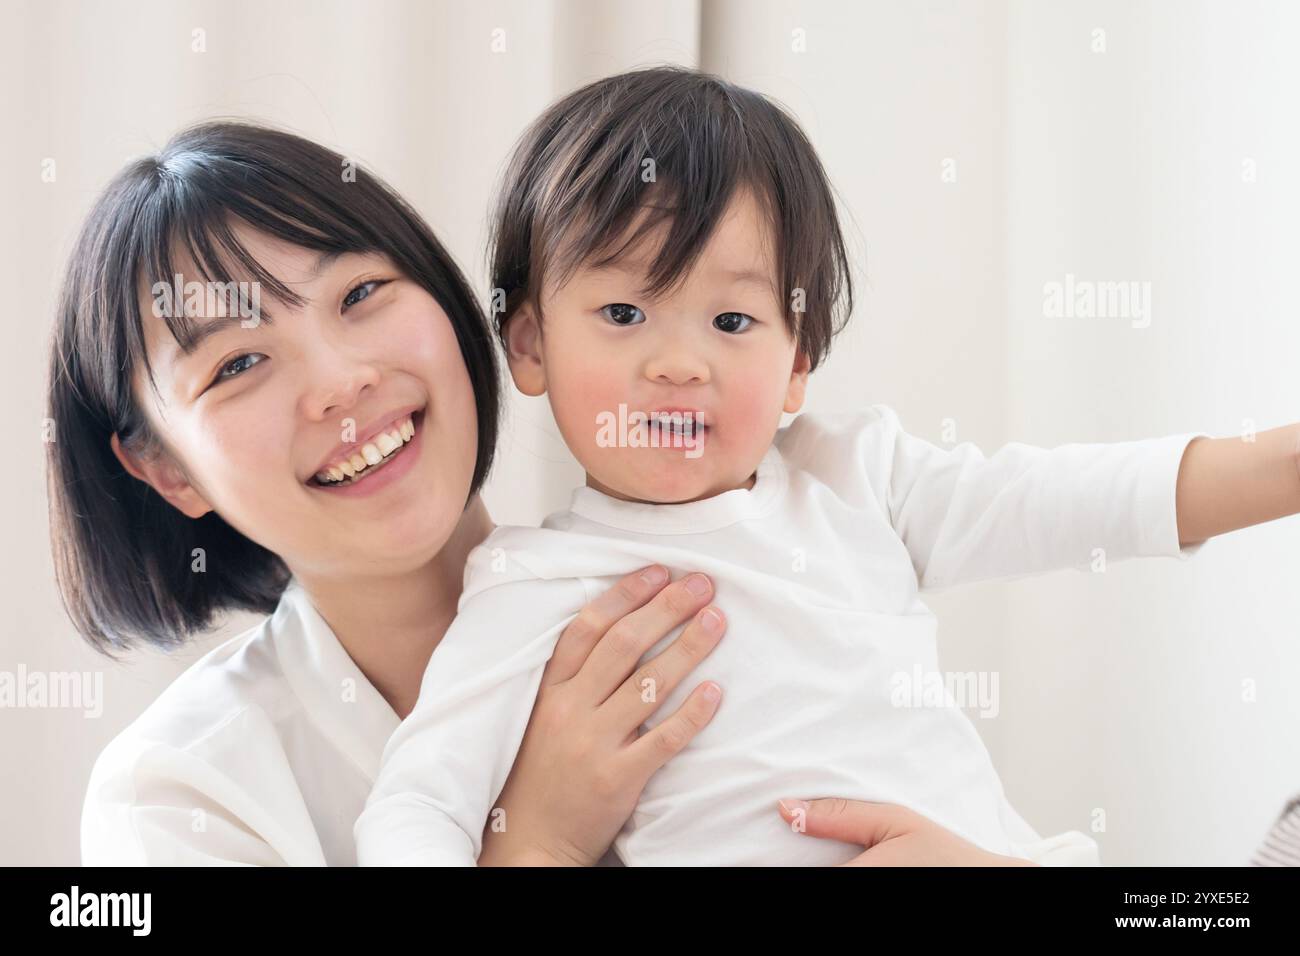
(582, 766)
(892, 835)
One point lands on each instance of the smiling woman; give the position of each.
(230, 206)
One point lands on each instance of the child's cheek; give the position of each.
(579, 396)
(750, 410)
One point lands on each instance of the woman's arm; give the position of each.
(582, 766)
(152, 804)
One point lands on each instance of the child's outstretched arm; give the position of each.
(964, 517)
(1230, 483)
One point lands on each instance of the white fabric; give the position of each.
(818, 569)
(261, 753)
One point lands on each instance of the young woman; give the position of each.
(246, 320)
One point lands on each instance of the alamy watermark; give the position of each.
(53, 690)
(1086, 299)
(963, 689)
(133, 911)
(635, 429)
(218, 300)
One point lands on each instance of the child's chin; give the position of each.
(658, 488)
(677, 489)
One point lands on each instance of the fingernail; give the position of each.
(698, 585)
(654, 576)
(712, 692)
(794, 806)
(710, 619)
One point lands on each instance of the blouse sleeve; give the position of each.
(150, 803)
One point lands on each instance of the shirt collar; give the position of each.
(694, 517)
(339, 697)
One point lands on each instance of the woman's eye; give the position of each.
(361, 292)
(236, 362)
(620, 313)
(732, 322)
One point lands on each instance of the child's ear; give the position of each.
(523, 340)
(163, 476)
(794, 393)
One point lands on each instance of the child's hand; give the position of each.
(892, 835)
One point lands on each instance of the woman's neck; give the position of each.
(390, 625)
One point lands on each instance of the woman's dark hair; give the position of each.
(122, 554)
(577, 182)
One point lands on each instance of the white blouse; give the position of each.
(261, 753)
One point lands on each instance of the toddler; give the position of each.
(669, 271)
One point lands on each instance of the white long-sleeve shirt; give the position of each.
(262, 753)
(818, 568)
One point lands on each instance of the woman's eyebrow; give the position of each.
(327, 259)
(201, 333)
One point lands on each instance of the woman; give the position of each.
(244, 314)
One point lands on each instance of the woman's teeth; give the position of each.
(374, 452)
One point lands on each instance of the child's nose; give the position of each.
(677, 366)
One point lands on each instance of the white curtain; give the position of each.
(981, 149)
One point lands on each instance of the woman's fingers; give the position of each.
(891, 835)
(651, 683)
(585, 631)
(658, 745)
(616, 654)
(851, 821)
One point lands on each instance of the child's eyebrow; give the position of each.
(621, 267)
(748, 276)
(756, 277)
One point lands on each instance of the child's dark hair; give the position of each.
(575, 186)
(122, 553)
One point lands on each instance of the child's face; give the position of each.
(716, 345)
(254, 413)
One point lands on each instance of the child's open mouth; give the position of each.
(371, 457)
(675, 429)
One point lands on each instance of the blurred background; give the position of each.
(982, 150)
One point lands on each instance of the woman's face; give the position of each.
(258, 409)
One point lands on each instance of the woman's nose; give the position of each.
(338, 380)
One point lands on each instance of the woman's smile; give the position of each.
(387, 469)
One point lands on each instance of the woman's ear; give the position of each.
(794, 393)
(523, 340)
(163, 476)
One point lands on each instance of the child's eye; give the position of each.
(362, 292)
(235, 363)
(732, 322)
(620, 313)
